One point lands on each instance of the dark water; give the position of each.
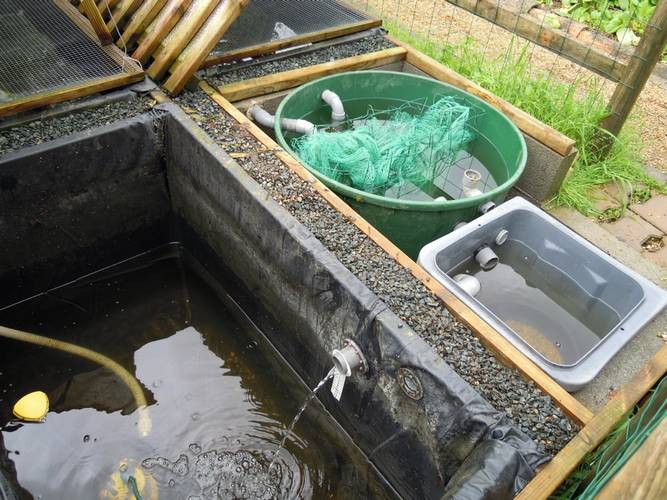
(220, 398)
(543, 305)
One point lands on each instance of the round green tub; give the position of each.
(498, 146)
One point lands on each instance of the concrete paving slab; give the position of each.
(632, 230)
(647, 342)
(653, 211)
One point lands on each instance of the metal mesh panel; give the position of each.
(266, 20)
(42, 49)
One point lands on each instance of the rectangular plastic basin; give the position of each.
(560, 300)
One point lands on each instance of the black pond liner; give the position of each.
(85, 201)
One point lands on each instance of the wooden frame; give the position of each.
(131, 72)
(504, 350)
(595, 427)
(255, 87)
(560, 42)
(90, 10)
(273, 46)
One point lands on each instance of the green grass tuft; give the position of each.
(573, 109)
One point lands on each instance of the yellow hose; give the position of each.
(128, 379)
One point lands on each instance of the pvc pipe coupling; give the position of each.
(486, 257)
(263, 117)
(349, 359)
(470, 183)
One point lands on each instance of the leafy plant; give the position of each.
(575, 110)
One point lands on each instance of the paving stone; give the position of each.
(654, 211)
(632, 229)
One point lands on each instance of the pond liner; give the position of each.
(449, 443)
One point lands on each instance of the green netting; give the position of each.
(392, 147)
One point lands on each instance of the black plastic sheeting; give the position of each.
(450, 443)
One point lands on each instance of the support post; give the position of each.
(646, 56)
(96, 20)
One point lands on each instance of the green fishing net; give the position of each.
(391, 147)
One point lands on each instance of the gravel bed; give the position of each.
(531, 409)
(39, 131)
(363, 46)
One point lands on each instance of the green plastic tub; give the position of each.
(410, 224)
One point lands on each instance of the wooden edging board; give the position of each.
(262, 85)
(274, 45)
(493, 340)
(539, 131)
(559, 468)
(131, 72)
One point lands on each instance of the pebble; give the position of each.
(39, 131)
(406, 296)
(369, 44)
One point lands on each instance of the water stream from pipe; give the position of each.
(296, 418)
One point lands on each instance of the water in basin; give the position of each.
(541, 303)
(219, 396)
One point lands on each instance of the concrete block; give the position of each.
(545, 170)
(654, 211)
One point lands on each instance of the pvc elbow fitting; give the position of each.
(337, 108)
(266, 119)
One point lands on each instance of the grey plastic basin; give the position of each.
(564, 303)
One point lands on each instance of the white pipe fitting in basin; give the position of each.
(266, 119)
(337, 108)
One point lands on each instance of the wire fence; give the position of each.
(586, 46)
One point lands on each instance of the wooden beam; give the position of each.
(288, 79)
(530, 28)
(548, 136)
(140, 20)
(494, 341)
(634, 481)
(180, 36)
(555, 472)
(168, 18)
(96, 21)
(70, 92)
(274, 45)
(190, 60)
(123, 9)
(104, 6)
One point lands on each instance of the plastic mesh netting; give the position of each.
(42, 49)
(266, 20)
(398, 153)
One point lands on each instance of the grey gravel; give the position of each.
(363, 46)
(532, 410)
(39, 131)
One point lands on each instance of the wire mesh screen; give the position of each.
(420, 151)
(267, 20)
(42, 49)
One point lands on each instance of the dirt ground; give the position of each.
(441, 21)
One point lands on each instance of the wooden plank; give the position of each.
(123, 9)
(530, 28)
(168, 18)
(634, 481)
(96, 21)
(274, 45)
(112, 51)
(288, 79)
(70, 92)
(493, 340)
(541, 132)
(555, 472)
(140, 20)
(180, 36)
(200, 47)
(104, 6)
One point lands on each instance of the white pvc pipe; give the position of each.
(470, 182)
(337, 109)
(266, 119)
